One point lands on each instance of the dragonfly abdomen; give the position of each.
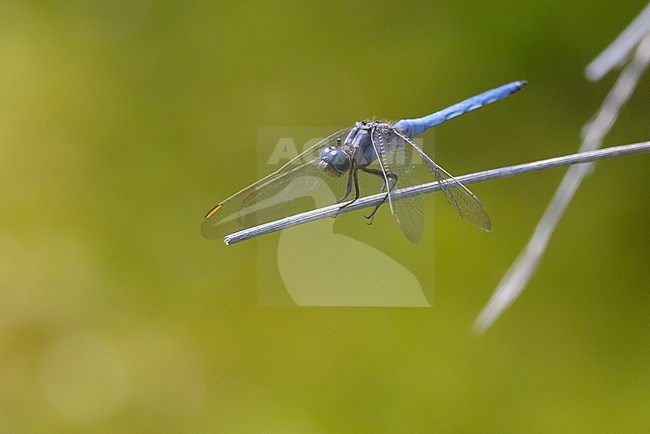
(413, 127)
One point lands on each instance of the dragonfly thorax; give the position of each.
(359, 144)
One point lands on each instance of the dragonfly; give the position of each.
(380, 150)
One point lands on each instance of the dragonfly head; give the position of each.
(334, 161)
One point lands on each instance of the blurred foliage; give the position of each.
(123, 122)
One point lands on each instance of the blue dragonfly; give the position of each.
(384, 151)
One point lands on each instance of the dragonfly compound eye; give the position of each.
(334, 161)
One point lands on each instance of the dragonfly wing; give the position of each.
(395, 158)
(281, 194)
(461, 199)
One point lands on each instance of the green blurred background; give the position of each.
(123, 122)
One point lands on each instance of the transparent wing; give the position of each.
(395, 158)
(461, 199)
(280, 194)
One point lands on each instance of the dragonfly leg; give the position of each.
(348, 188)
(392, 177)
(355, 177)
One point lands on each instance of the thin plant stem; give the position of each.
(369, 201)
(617, 52)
